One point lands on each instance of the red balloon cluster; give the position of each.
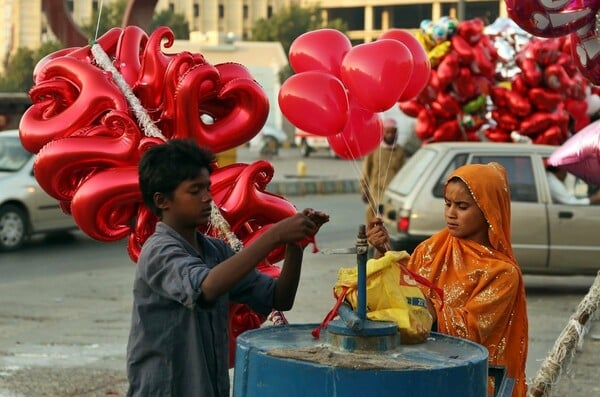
(88, 142)
(547, 96)
(452, 105)
(338, 89)
(576, 20)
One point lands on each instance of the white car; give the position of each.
(25, 208)
(309, 143)
(268, 141)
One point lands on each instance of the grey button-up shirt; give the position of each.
(177, 345)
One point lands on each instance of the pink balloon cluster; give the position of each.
(338, 89)
(547, 95)
(452, 105)
(576, 19)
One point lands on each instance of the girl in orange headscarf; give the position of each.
(472, 261)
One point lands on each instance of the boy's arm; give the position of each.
(225, 275)
(286, 284)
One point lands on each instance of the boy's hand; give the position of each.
(319, 218)
(299, 226)
(377, 236)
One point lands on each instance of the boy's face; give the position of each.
(190, 205)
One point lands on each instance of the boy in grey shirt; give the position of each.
(178, 343)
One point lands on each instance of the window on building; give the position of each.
(269, 11)
(171, 7)
(488, 11)
(221, 11)
(70, 5)
(196, 10)
(354, 16)
(245, 11)
(409, 16)
(95, 5)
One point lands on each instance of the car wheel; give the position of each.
(13, 227)
(305, 149)
(270, 146)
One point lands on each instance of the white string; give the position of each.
(144, 120)
(98, 22)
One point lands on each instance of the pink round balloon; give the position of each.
(362, 134)
(421, 65)
(552, 18)
(320, 50)
(377, 73)
(315, 102)
(580, 154)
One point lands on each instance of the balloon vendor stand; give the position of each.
(359, 357)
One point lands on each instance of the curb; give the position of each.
(300, 187)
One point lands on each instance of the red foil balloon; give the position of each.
(377, 73)
(552, 18)
(315, 102)
(362, 134)
(319, 50)
(421, 65)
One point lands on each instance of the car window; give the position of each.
(520, 175)
(457, 161)
(12, 154)
(408, 176)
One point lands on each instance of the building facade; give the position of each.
(24, 23)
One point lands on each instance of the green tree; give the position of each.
(112, 16)
(177, 23)
(18, 75)
(286, 25)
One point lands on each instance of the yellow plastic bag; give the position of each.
(392, 295)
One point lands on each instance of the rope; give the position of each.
(144, 120)
(560, 357)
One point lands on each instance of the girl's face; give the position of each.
(464, 218)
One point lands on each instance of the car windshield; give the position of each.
(12, 154)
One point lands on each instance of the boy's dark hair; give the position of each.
(163, 167)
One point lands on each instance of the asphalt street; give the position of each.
(65, 303)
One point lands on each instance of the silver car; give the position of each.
(547, 237)
(25, 209)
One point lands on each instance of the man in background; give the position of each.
(559, 192)
(379, 167)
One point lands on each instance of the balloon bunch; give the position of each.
(575, 19)
(546, 102)
(89, 135)
(338, 89)
(509, 39)
(452, 105)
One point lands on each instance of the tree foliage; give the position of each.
(286, 25)
(18, 75)
(111, 16)
(177, 22)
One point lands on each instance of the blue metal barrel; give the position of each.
(288, 361)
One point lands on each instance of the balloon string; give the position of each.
(99, 17)
(367, 187)
(140, 113)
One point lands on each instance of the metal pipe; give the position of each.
(362, 247)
